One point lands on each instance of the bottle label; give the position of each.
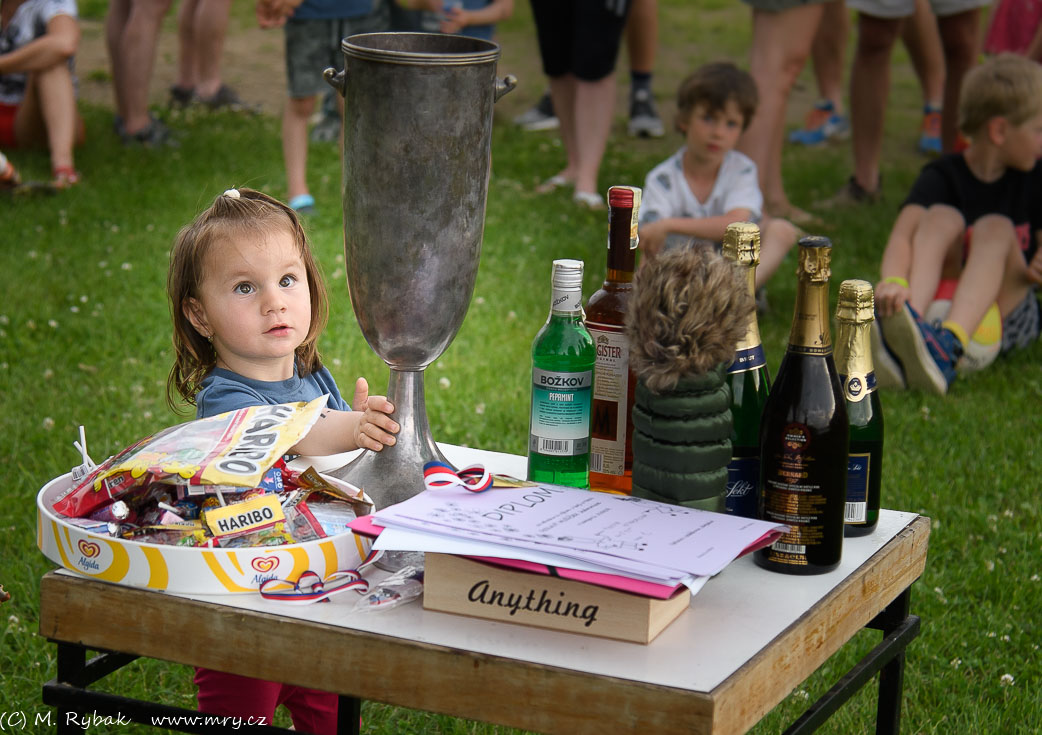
(794, 497)
(750, 358)
(566, 300)
(856, 508)
(857, 386)
(610, 391)
(560, 412)
(743, 476)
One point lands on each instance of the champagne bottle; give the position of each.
(804, 433)
(749, 381)
(854, 315)
(611, 430)
(562, 384)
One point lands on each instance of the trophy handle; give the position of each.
(338, 81)
(503, 85)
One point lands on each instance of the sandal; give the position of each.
(64, 177)
(303, 204)
(226, 98)
(554, 182)
(589, 199)
(181, 97)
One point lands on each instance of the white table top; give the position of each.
(730, 620)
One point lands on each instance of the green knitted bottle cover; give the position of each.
(682, 441)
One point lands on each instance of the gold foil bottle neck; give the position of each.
(856, 302)
(815, 259)
(742, 243)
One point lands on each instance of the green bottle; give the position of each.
(563, 355)
(854, 315)
(749, 381)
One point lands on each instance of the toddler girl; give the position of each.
(248, 303)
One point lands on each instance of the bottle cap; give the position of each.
(856, 302)
(567, 274)
(620, 196)
(815, 259)
(742, 243)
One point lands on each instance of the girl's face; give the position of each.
(255, 304)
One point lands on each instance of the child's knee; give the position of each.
(993, 228)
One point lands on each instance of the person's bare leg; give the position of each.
(48, 114)
(295, 143)
(781, 42)
(137, 57)
(211, 27)
(115, 22)
(960, 38)
(869, 91)
(940, 230)
(187, 67)
(778, 237)
(828, 52)
(642, 35)
(994, 272)
(562, 93)
(594, 111)
(922, 38)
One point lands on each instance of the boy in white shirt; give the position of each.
(706, 185)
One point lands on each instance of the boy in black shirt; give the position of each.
(974, 216)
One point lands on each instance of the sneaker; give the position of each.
(181, 97)
(930, 131)
(326, 130)
(928, 355)
(853, 193)
(644, 119)
(226, 98)
(822, 124)
(540, 117)
(154, 135)
(889, 373)
(303, 204)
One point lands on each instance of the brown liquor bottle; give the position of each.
(611, 431)
(804, 433)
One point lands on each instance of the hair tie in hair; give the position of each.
(233, 193)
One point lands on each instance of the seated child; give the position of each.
(975, 217)
(706, 185)
(248, 304)
(38, 39)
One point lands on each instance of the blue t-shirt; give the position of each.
(332, 9)
(222, 390)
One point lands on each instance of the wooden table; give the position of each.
(748, 640)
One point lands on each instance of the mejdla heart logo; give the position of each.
(265, 564)
(89, 549)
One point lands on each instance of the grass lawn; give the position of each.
(84, 339)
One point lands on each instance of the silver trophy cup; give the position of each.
(417, 154)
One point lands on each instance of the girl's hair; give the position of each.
(236, 213)
(1008, 86)
(714, 85)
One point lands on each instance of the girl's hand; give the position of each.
(454, 20)
(890, 297)
(376, 429)
(653, 237)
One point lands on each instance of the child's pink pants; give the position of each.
(241, 696)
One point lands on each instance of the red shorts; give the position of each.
(7, 115)
(242, 697)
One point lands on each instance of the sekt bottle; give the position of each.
(749, 382)
(804, 434)
(611, 429)
(854, 315)
(562, 386)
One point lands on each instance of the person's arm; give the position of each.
(275, 13)
(58, 44)
(342, 431)
(495, 11)
(896, 267)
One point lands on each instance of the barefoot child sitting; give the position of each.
(975, 217)
(248, 304)
(706, 185)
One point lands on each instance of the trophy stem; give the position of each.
(396, 473)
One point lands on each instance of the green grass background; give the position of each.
(84, 339)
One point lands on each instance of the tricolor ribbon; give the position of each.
(311, 588)
(439, 476)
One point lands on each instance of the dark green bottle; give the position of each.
(563, 355)
(804, 433)
(749, 381)
(854, 315)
